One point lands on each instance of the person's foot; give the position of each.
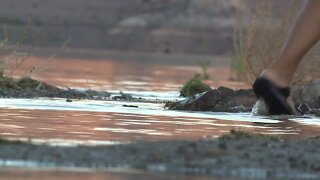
(275, 91)
(274, 96)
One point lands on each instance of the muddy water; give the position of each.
(57, 122)
(128, 72)
(85, 174)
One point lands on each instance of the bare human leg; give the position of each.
(303, 35)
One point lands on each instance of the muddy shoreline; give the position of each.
(236, 154)
(221, 99)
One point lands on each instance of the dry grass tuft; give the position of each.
(10, 57)
(6, 52)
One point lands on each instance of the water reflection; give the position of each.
(85, 174)
(294, 129)
(105, 122)
(56, 122)
(72, 127)
(126, 75)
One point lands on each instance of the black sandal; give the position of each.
(275, 97)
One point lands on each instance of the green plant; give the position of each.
(237, 69)
(194, 86)
(27, 82)
(204, 65)
(8, 83)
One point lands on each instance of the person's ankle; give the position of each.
(275, 77)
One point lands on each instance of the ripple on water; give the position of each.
(56, 121)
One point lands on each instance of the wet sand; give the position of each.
(238, 155)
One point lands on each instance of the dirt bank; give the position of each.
(236, 154)
(29, 88)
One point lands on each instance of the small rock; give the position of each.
(200, 102)
(310, 94)
(221, 99)
(224, 91)
(68, 100)
(123, 96)
(93, 93)
(304, 107)
(131, 106)
(237, 109)
(74, 93)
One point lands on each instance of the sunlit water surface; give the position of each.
(57, 122)
(85, 174)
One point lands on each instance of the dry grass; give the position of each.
(10, 56)
(260, 33)
(6, 51)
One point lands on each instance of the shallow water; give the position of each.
(85, 174)
(57, 122)
(123, 71)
